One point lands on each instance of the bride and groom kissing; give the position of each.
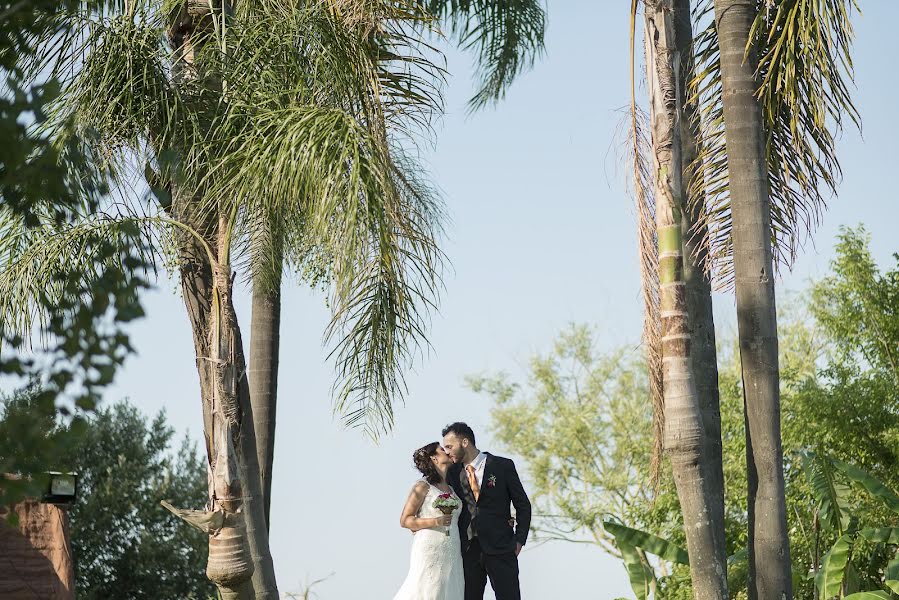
(459, 513)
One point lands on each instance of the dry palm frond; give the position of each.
(647, 243)
(805, 73)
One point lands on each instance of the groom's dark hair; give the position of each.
(461, 430)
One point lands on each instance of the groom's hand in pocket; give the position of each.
(517, 549)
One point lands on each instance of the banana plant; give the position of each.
(835, 577)
(634, 545)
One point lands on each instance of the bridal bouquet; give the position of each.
(446, 503)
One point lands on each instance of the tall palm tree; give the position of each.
(257, 110)
(770, 574)
(506, 38)
(670, 325)
(767, 157)
(797, 45)
(698, 286)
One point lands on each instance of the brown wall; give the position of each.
(36, 558)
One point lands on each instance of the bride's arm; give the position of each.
(409, 520)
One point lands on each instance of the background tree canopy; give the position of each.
(45, 181)
(582, 423)
(124, 543)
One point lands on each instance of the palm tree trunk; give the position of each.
(265, 343)
(703, 355)
(240, 561)
(769, 545)
(684, 435)
(264, 584)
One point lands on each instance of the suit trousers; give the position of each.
(501, 569)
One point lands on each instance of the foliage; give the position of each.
(124, 543)
(586, 460)
(588, 433)
(44, 181)
(507, 37)
(805, 74)
(304, 111)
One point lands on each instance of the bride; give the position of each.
(435, 569)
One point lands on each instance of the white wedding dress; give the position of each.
(435, 569)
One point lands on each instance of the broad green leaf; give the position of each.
(831, 495)
(881, 535)
(737, 569)
(891, 574)
(872, 485)
(878, 595)
(852, 582)
(638, 572)
(739, 556)
(647, 542)
(833, 568)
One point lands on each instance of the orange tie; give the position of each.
(473, 482)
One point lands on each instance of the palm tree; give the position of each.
(766, 158)
(769, 546)
(669, 328)
(256, 110)
(506, 38)
(797, 45)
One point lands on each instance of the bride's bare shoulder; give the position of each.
(420, 487)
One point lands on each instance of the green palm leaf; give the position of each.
(878, 595)
(37, 261)
(507, 37)
(321, 163)
(303, 120)
(805, 74)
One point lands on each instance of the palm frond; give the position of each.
(119, 93)
(299, 119)
(647, 243)
(805, 74)
(329, 179)
(370, 63)
(507, 37)
(36, 262)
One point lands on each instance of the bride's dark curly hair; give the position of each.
(423, 462)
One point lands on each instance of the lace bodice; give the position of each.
(427, 509)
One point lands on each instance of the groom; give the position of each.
(487, 485)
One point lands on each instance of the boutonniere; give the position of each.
(491, 481)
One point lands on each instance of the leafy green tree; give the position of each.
(125, 545)
(506, 37)
(237, 112)
(578, 431)
(44, 181)
(588, 423)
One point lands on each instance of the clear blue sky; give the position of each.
(542, 234)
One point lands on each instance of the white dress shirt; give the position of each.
(479, 462)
